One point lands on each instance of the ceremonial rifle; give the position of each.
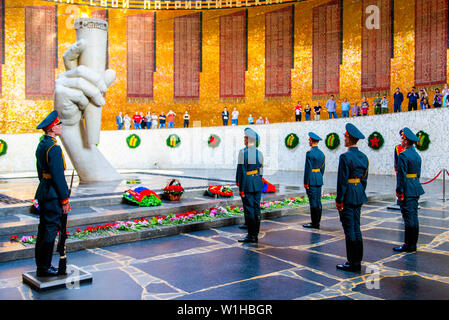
(62, 250)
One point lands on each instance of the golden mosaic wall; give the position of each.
(18, 115)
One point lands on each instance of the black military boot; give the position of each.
(46, 269)
(408, 245)
(315, 215)
(352, 264)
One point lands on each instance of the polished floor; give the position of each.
(288, 263)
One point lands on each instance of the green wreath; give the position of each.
(375, 140)
(213, 141)
(291, 141)
(133, 141)
(173, 141)
(424, 141)
(3, 147)
(332, 141)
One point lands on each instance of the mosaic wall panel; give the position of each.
(278, 52)
(40, 46)
(376, 49)
(233, 55)
(140, 56)
(326, 49)
(187, 34)
(430, 42)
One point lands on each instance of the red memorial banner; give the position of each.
(233, 55)
(278, 53)
(376, 49)
(103, 15)
(187, 57)
(326, 50)
(430, 43)
(40, 47)
(140, 57)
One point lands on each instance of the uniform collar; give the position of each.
(51, 138)
(353, 149)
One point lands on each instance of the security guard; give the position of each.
(408, 189)
(249, 181)
(351, 184)
(52, 193)
(313, 179)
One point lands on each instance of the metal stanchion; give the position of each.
(444, 184)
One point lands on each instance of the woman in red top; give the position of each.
(137, 118)
(298, 110)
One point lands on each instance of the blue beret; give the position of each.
(50, 119)
(353, 131)
(314, 136)
(251, 133)
(410, 135)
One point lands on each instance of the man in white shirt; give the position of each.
(235, 117)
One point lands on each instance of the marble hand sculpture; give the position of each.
(79, 99)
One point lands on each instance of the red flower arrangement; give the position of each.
(174, 189)
(219, 190)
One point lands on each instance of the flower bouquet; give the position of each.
(173, 191)
(268, 187)
(143, 197)
(220, 191)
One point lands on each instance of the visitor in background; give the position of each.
(317, 111)
(260, 120)
(345, 107)
(331, 106)
(127, 121)
(266, 120)
(355, 110)
(148, 119)
(437, 99)
(162, 120)
(377, 104)
(298, 111)
(307, 111)
(137, 118)
(365, 107)
(235, 118)
(225, 116)
(250, 119)
(445, 94)
(119, 121)
(186, 119)
(422, 95)
(384, 104)
(412, 97)
(171, 119)
(426, 104)
(154, 118)
(398, 97)
(143, 123)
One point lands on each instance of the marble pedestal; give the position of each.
(75, 277)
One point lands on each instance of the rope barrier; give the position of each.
(433, 178)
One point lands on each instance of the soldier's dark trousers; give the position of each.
(409, 210)
(49, 225)
(314, 194)
(251, 205)
(350, 220)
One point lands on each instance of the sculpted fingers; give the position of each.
(109, 77)
(72, 54)
(88, 89)
(89, 75)
(68, 103)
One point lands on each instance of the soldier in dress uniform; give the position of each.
(351, 184)
(397, 150)
(409, 189)
(249, 180)
(52, 193)
(313, 179)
